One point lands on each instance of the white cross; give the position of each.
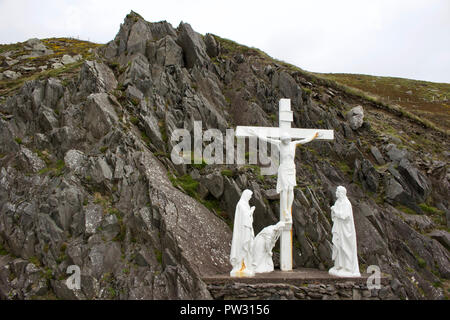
(285, 119)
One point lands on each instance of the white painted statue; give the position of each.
(263, 246)
(286, 180)
(243, 237)
(281, 137)
(344, 254)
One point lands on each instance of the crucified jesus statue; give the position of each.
(286, 171)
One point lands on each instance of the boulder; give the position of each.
(212, 47)
(67, 59)
(37, 48)
(418, 182)
(214, 183)
(194, 48)
(100, 115)
(419, 222)
(442, 236)
(377, 155)
(11, 75)
(395, 154)
(96, 77)
(355, 117)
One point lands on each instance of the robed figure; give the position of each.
(243, 237)
(263, 246)
(344, 252)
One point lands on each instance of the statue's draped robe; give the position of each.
(344, 254)
(243, 236)
(262, 249)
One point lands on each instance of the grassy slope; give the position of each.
(60, 46)
(427, 100)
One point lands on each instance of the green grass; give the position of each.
(227, 173)
(55, 169)
(134, 120)
(158, 256)
(3, 251)
(34, 260)
(422, 263)
(430, 209)
(186, 182)
(345, 168)
(405, 209)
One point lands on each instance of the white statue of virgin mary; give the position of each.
(345, 255)
(243, 237)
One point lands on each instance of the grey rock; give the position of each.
(152, 130)
(193, 46)
(214, 183)
(96, 77)
(355, 117)
(271, 194)
(441, 236)
(212, 47)
(67, 59)
(415, 179)
(366, 173)
(231, 194)
(377, 155)
(37, 48)
(93, 216)
(74, 159)
(395, 154)
(419, 222)
(57, 65)
(30, 161)
(134, 93)
(100, 115)
(12, 75)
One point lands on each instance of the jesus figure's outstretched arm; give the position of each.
(273, 141)
(303, 141)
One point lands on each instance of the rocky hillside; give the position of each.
(86, 177)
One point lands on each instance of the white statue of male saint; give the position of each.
(344, 254)
(286, 171)
(243, 237)
(263, 246)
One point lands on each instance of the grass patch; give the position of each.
(186, 182)
(3, 251)
(430, 209)
(55, 169)
(158, 256)
(345, 168)
(226, 173)
(405, 209)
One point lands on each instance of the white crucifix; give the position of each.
(281, 137)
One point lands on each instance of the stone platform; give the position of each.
(297, 284)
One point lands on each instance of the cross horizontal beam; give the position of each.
(295, 133)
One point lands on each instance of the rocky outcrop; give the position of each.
(86, 177)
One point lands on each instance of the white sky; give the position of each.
(402, 38)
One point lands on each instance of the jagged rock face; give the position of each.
(84, 174)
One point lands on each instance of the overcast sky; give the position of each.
(402, 38)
